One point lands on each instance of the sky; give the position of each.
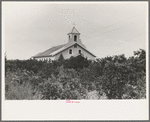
(107, 28)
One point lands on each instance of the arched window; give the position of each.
(75, 38)
(69, 37)
(79, 51)
(70, 51)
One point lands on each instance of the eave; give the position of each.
(71, 46)
(42, 56)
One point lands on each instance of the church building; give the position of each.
(74, 47)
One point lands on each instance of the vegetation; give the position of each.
(115, 77)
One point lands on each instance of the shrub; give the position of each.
(77, 78)
(93, 95)
(78, 62)
(52, 90)
(15, 91)
(71, 94)
(135, 92)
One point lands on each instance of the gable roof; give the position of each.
(63, 49)
(74, 30)
(49, 51)
(58, 49)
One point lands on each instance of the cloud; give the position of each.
(36, 26)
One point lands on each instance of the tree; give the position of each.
(61, 58)
(115, 76)
(78, 62)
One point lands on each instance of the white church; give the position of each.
(74, 47)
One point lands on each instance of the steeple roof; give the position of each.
(74, 30)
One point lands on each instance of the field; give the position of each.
(115, 77)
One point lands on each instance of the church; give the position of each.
(74, 47)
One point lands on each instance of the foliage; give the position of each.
(18, 87)
(78, 62)
(61, 59)
(113, 77)
(30, 65)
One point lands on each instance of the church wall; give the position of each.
(75, 52)
(49, 59)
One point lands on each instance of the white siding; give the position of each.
(75, 52)
(48, 59)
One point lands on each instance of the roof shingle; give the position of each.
(49, 51)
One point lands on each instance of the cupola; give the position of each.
(74, 35)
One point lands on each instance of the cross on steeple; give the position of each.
(73, 24)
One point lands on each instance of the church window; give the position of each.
(70, 51)
(69, 37)
(79, 51)
(75, 46)
(75, 38)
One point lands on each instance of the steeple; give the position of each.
(74, 31)
(74, 35)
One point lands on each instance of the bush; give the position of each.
(77, 78)
(78, 62)
(14, 91)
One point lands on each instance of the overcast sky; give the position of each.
(107, 28)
